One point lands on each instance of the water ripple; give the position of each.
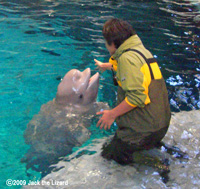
(175, 23)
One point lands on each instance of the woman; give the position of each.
(142, 113)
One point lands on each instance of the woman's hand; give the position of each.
(109, 116)
(106, 120)
(102, 66)
(99, 65)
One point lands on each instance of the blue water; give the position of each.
(43, 39)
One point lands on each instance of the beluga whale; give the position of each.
(63, 122)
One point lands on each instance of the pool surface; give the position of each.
(43, 39)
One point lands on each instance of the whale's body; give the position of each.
(63, 122)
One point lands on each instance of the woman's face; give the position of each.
(111, 48)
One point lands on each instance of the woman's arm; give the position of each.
(103, 66)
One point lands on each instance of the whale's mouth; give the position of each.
(89, 82)
(91, 91)
(93, 80)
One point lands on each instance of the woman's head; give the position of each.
(116, 31)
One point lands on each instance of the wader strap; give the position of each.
(148, 61)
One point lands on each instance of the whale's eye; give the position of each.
(81, 96)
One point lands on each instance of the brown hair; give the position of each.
(117, 31)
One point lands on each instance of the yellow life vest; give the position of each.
(113, 62)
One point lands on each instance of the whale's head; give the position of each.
(77, 88)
